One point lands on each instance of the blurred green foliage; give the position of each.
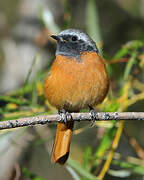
(126, 90)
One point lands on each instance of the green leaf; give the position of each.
(104, 145)
(134, 45)
(130, 64)
(111, 107)
(92, 21)
(139, 169)
(87, 158)
(83, 172)
(13, 100)
(121, 53)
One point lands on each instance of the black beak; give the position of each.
(55, 37)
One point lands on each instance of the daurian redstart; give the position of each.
(78, 80)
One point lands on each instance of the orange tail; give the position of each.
(62, 142)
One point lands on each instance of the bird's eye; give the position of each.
(74, 38)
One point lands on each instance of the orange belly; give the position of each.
(74, 85)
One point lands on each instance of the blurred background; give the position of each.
(26, 55)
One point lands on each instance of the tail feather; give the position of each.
(62, 142)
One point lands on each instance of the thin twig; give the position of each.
(43, 119)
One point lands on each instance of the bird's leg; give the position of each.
(93, 115)
(65, 116)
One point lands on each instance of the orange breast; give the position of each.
(74, 85)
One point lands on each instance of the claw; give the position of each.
(65, 116)
(93, 116)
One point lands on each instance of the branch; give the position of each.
(43, 119)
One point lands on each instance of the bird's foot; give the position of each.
(65, 116)
(93, 116)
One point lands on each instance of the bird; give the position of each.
(78, 80)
